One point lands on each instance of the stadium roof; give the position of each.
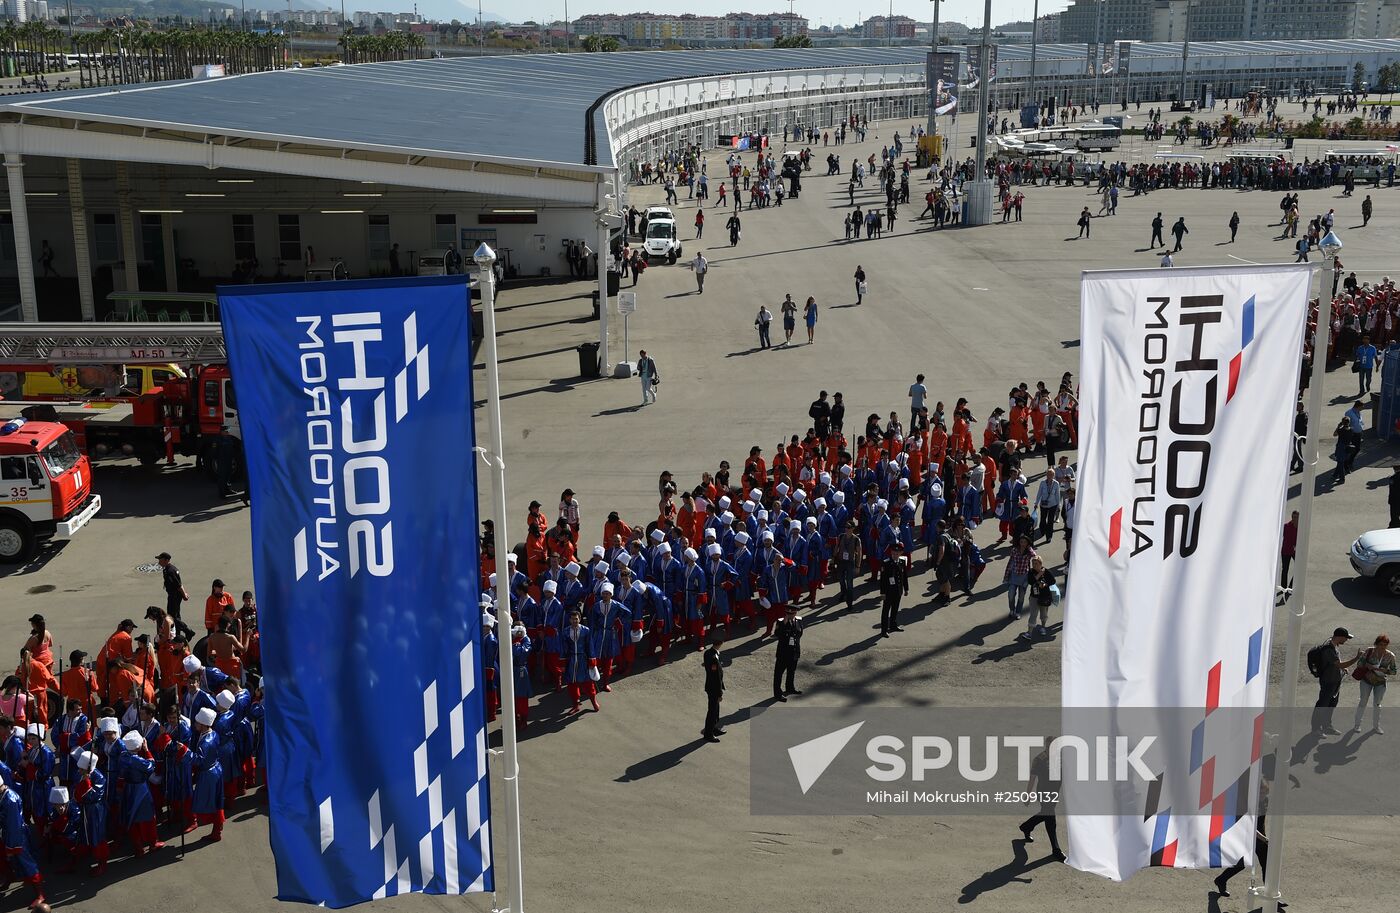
(538, 111)
(521, 108)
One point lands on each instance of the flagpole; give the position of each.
(515, 882)
(1278, 786)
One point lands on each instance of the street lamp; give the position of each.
(485, 259)
(1330, 245)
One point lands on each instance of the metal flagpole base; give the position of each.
(977, 202)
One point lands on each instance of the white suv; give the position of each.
(662, 240)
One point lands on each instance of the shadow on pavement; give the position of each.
(1014, 871)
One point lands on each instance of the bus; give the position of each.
(1101, 137)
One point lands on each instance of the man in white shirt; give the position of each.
(763, 321)
(701, 266)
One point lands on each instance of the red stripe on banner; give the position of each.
(1256, 752)
(1207, 782)
(1169, 854)
(1217, 817)
(1115, 531)
(1213, 689)
(1234, 375)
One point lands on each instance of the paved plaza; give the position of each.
(629, 809)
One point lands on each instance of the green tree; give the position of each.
(793, 41)
(594, 44)
(1387, 77)
(1313, 129)
(1358, 76)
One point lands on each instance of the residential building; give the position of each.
(1049, 28)
(770, 25)
(1383, 20)
(888, 27)
(1088, 21)
(1091, 21)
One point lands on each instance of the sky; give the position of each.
(818, 12)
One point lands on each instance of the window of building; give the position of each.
(289, 237)
(106, 242)
(378, 237)
(444, 229)
(151, 240)
(244, 243)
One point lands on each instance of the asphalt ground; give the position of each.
(628, 809)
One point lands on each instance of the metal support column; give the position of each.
(131, 258)
(167, 240)
(1032, 98)
(82, 253)
(977, 208)
(24, 249)
(604, 250)
(1185, 50)
(933, 75)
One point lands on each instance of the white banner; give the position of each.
(1186, 406)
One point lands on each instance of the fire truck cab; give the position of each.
(45, 487)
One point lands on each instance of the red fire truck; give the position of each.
(45, 487)
(180, 416)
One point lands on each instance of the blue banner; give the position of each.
(355, 401)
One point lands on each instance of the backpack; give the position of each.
(1316, 659)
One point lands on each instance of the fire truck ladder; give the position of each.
(112, 343)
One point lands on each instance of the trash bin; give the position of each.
(597, 310)
(588, 360)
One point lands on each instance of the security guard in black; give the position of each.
(789, 631)
(714, 692)
(894, 584)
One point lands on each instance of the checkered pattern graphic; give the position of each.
(430, 861)
(1230, 804)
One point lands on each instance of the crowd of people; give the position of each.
(155, 737)
(737, 550)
